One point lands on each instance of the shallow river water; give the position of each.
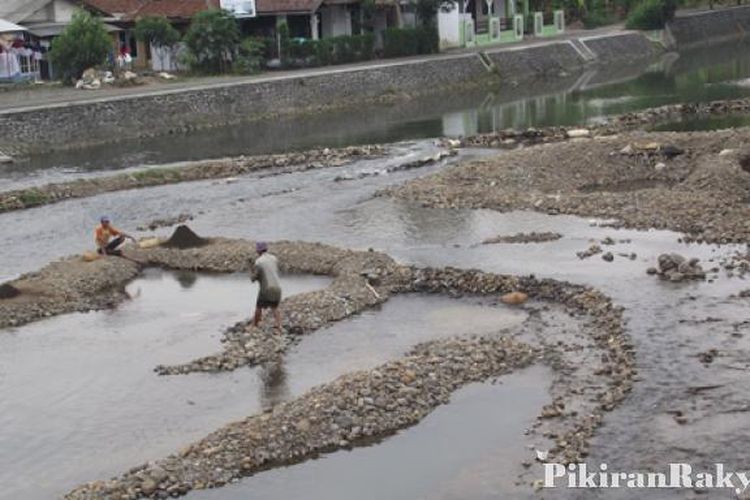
(78, 399)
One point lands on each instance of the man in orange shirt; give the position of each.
(108, 238)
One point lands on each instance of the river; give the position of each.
(668, 323)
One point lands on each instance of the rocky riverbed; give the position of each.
(626, 122)
(194, 171)
(696, 183)
(356, 407)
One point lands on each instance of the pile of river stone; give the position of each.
(674, 267)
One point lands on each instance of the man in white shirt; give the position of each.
(266, 271)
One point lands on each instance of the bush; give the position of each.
(401, 42)
(324, 52)
(84, 43)
(651, 14)
(251, 55)
(428, 40)
(336, 50)
(158, 31)
(212, 41)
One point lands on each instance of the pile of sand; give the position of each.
(8, 291)
(184, 237)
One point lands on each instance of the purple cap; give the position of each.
(104, 218)
(261, 247)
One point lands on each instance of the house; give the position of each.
(120, 13)
(42, 20)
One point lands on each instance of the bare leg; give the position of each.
(258, 316)
(277, 317)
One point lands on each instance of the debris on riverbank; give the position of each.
(701, 191)
(165, 222)
(532, 237)
(410, 165)
(194, 171)
(627, 122)
(674, 267)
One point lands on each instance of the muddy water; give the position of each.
(312, 206)
(464, 449)
(53, 368)
(700, 75)
(79, 399)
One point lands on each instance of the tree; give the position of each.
(82, 44)
(212, 41)
(427, 10)
(159, 33)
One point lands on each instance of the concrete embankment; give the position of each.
(704, 28)
(98, 121)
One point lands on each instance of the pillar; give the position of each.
(314, 26)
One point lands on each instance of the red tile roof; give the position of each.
(185, 9)
(282, 6)
(176, 9)
(113, 7)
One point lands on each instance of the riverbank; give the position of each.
(226, 168)
(35, 129)
(695, 183)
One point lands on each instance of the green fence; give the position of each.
(557, 27)
(494, 35)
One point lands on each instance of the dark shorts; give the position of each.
(269, 299)
(111, 248)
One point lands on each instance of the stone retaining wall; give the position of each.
(115, 119)
(626, 47)
(704, 28)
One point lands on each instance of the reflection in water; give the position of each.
(466, 449)
(274, 389)
(186, 279)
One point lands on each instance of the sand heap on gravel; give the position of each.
(8, 291)
(184, 237)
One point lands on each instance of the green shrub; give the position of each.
(324, 52)
(82, 44)
(336, 50)
(401, 42)
(212, 41)
(285, 42)
(32, 197)
(428, 40)
(251, 55)
(596, 18)
(651, 14)
(156, 30)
